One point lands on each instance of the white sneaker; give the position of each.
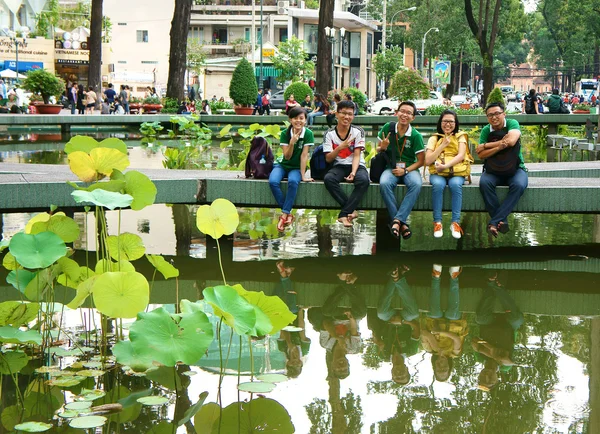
(455, 271)
(456, 230)
(437, 271)
(438, 231)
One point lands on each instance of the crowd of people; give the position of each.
(554, 103)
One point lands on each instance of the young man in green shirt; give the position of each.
(404, 146)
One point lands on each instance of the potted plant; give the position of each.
(243, 89)
(135, 105)
(581, 109)
(151, 105)
(46, 84)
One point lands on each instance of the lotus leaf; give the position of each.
(104, 265)
(16, 313)
(11, 415)
(68, 414)
(81, 143)
(272, 378)
(206, 417)
(65, 227)
(87, 422)
(91, 373)
(99, 163)
(217, 219)
(138, 359)
(272, 306)
(73, 280)
(70, 268)
(12, 362)
(37, 251)
(225, 130)
(91, 395)
(225, 143)
(153, 400)
(66, 381)
(141, 188)
(41, 282)
(164, 267)
(78, 405)
(121, 294)
(33, 426)
(235, 310)
(190, 412)
(187, 306)
(163, 427)
(126, 246)
(116, 186)
(259, 415)
(171, 339)
(20, 279)
(121, 394)
(274, 130)
(104, 198)
(113, 142)
(41, 217)
(10, 263)
(92, 365)
(12, 335)
(256, 387)
(84, 289)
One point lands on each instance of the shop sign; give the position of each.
(30, 50)
(73, 57)
(268, 52)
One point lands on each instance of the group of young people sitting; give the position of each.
(402, 149)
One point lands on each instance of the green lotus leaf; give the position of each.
(165, 268)
(41, 217)
(11, 416)
(68, 414)
(12, 362)
(206, 417)
(171, 339)
(51, 308)
(81, 143)
(225, 130)
(141, 188)
(272, 378)
(259, 415)
(126, 246)
(187, 306)
(138, 359)
(92, 365)
(217, 219)
(84, 289)
(91, 395)
(272, 306)
(74, 280)
(226, 143)
(10, 263)
(104, 265)
(153, 400)
(256, 387)
(91, 373)
(190, 412)
(86, 422)
(114, 185)
(121, 395)
(37, 251)
(16, 313)
(33, 426)
(113, 142)
(40, 284)
(12, 335)
(232, 307)
(274, 130)
(99, 163)
(121, 294)
(78, 405)
(65, 227)
(108, 199)
(66, 381)
(20, 279)
(69, 268)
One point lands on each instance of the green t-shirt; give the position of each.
(511, 124)
(306, 139)
(414, 144)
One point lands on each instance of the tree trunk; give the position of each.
(180, 27)
(324, 60)
(95, 46)
(488, 81)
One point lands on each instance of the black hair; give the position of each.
(532, 93)
(346, 104)
(296, 111)
(110, 85)
(439, 122)
(555, 91)
(408, 103)
(434, 359)
(337, 97)
(349, 96)
(494, 104)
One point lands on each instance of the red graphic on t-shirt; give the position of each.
(345, 153)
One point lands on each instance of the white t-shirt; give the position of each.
(332, 140)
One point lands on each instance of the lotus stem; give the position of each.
(220, 262)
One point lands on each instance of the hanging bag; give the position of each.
(259, 162)
(460, 169)
(505, 162)
(382, 161)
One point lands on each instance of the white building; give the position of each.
(15, 14)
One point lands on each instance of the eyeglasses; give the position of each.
(346, 113)
(448, 122)
(494, 115)
(404, 112)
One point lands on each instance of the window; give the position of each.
(122, 61)
(149, 62)
(311, 35)
(197, 33)
(283, 34)
(121, 24)
(247, 34)
(142, 36)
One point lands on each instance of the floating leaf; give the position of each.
(20, 279)
(87, 422)
(33, 427)
(259, 415)
(164, 267)
(78, 405)
(104, 198)
(126, 246)
(68, 414)
(272, 378)
(235, 310)
(12, 335)
(66, 381)
(12, 362)
(292, 329)
(17, 313)
(153, 400)
(256, 387)
(190, 412)
(217, 219)
(91, 373)
(99, 163)
(37, 251)
(65, 227)
(92, 365)
(121, 294)
(47, 369)
(276, 310)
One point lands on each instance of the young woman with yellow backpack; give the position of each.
(449, 161)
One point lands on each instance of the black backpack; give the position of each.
(318, 164)
(505, 162)
(259, 162)
(382, 161)
(530, 105)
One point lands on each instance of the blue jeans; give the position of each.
(388, 183)
(438, 183)
(73, 107)
(435, 305)
(293, 175)
(410, 309)
(312, 115)
(516, 187)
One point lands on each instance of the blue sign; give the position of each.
(23, 66)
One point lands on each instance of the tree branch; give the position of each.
(494, 33)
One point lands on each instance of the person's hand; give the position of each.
(444, 143)
(307, 179)
(439, 167)
(345, 144)
(348, 314)
(350, 178)
(398, 172)
(385, 142)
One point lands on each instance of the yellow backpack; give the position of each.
(461, 169)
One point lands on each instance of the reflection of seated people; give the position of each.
(295, 345)
(397, 332)
(284, 288)
(443, 333)
(497, 334)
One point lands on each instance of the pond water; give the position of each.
(495, 336)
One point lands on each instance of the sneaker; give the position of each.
(437, 271)
(437, 230)
(455, 271)
(456, 230)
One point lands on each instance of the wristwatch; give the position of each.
(405, 171)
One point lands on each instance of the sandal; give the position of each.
(395, 228)
(289, 220)
(406, 233)
(281, 223)
(345, 221)
(503, 227)
(492, 230)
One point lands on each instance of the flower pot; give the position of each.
(245, 111)
(151, 109)
(134, 108)
(581, 112)
(48, 109)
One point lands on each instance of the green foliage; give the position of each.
(387, 62)
(152, 100)
(170, 105)
(357, 96)
(45, 83)
(243, 89)
(37, 251)
(181, 158)
(496, 96)
(196, 57)
(408, 85)
(150, 128)
(215, 106)
(299, 90)
(436, 110)
(291, 60)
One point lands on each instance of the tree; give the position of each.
(324, 59)
(292, 62)
(196, 57)
(95, 46)
(387, 62)
(243, 89)
(180, 26)
(407, 84)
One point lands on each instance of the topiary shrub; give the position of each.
(496, 96)
(243, 89)
(45, 83)
(170, 105)
(299, 89)
(357, 96)
(407, 84)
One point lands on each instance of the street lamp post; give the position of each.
(330, 33)
(13, 37)
(384, 36)
(423, 49)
